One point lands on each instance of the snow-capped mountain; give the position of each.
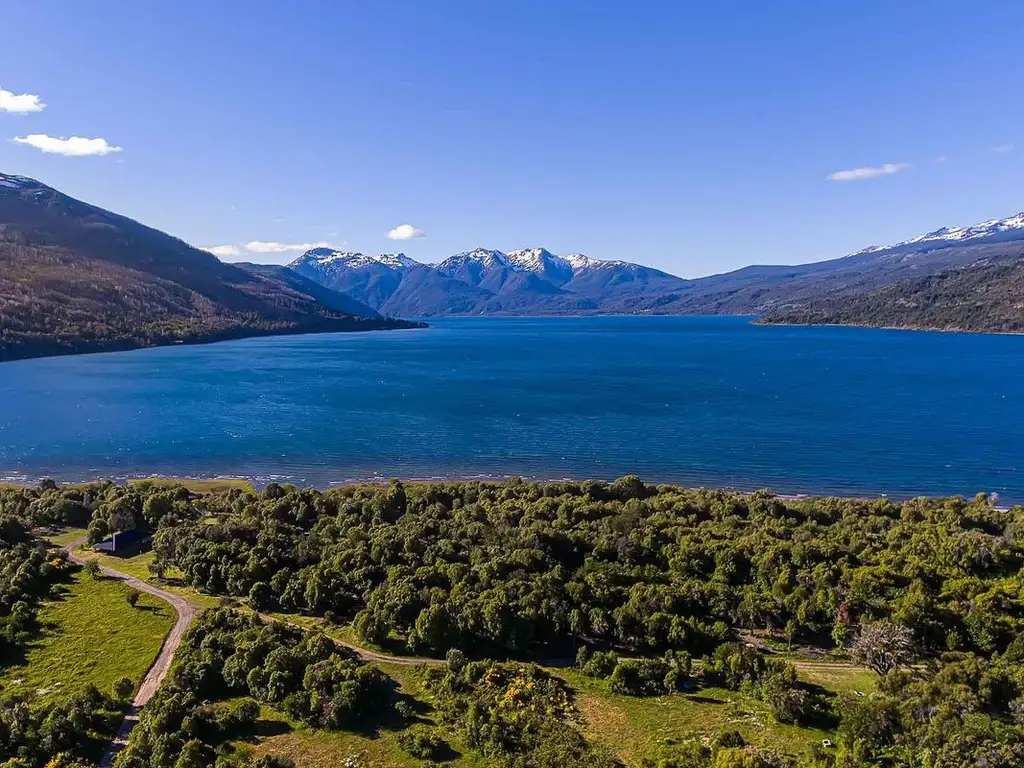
(994, 230)
(328, 257)
(478, 260)
(529, 280)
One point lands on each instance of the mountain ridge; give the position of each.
(75, 277)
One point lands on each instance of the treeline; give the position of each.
(516, 567)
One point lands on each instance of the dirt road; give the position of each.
(151, 682)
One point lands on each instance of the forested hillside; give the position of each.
(986, 296)
(77, 278)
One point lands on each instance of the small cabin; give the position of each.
(122, 542)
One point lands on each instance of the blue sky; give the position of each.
(695, 137)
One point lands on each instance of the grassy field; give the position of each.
(90, 634)
(635, 728)
(138, 566)
(64, 536)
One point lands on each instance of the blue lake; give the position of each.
(691, 400)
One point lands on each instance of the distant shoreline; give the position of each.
(257, 483)
(51, 348)
(871, 327)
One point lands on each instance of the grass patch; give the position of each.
(138, 566)
(637, 728)
(61, 537)
(312, 748)
(837, 676)
(89, 634)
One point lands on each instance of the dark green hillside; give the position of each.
(987, 296)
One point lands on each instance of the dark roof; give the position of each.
(124, 539)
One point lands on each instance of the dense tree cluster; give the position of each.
(517, 566)
(637, 676)
(33, 735)
(225, 655)
(29, 569)
(518, 715)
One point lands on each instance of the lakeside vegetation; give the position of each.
(580, 623)
(984, 297)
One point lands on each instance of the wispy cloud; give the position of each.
(75, 146)
(259, 246)
(1003, 148)
(868, 172)
(222, 250)
(941, 159)
(405, 232)
(21, 103)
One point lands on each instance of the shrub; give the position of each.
(122, 689)
(422, 742)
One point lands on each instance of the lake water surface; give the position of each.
(691, 400)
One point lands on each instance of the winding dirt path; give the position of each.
(151, 682)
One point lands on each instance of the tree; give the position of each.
(122, 689)
(884, 646)
(261, 596)
(98, 530)
(133, 597)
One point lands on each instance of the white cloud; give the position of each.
(1003, 148)
(222, 250)
(867, 172)
(22, 103)
(941, 159)
(76, 146)
(259, 246)
(405, 232)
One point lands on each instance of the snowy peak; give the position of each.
(1010, 228)
(535, 259)
(983, 229)
(478, 258)
(16, 182)
(396, 261)
(330, 258)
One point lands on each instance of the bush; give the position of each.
(640, 677)
(422, 742)
(122, 689)
(92, 568)
(600, 665)
(133, 597)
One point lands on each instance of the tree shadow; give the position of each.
(704, 699)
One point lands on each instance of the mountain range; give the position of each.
(482, 281)
(536, 281)
(77, 278)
